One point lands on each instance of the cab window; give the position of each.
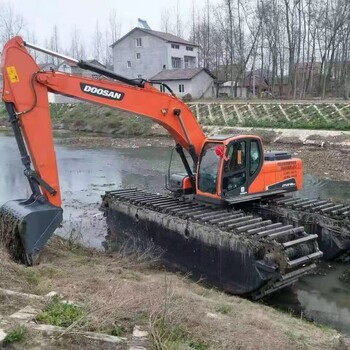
(255, 157)
(236, 155)
(235, 167)
(208, 169)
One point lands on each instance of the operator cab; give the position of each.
(228, 165)
(236, 169)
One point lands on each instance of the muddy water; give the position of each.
(85, 174)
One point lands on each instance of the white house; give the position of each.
(70, 68)
(198, 82)
(157, 56)
(142, 53)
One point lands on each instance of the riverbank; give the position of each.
(321, 160)
(309, 115)
(118, 291)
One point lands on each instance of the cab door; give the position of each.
(242, 164)
(208, 170)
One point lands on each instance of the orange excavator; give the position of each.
(203, 226)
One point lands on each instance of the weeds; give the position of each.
(119, 331)
(224, 309)
(32, 277)
(17, 335)
(297, 339)
(59, 313)
(133, 254)
(167, 326)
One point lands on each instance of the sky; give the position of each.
(41, 15)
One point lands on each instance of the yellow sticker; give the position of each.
(11, 71)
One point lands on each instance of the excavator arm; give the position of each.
(240, 253)
(25, 93)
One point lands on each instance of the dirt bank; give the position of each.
(325, 162)
(118, 291)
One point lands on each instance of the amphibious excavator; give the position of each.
(217, 222)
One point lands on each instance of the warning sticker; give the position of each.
(11, 71)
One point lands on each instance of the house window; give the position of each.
(138, 42)
(176, 62)
(175, 46)
(181, 88)
(190, 62)
(128, 64)
(162, 88)
(189, 48)
(138, 56)
(139, 76)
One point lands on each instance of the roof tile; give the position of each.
(179, 74)
(165, 36)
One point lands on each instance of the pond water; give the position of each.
(85, 174)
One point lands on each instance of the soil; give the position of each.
(118, 290)
(322, 162)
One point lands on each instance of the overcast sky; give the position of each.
(41, 15)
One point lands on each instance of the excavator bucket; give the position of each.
(27, 224)
(25, 227)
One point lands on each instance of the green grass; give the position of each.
(224, 308)
(32, 277)
(99, 119)
(17, 335)
(118, 331)
(167, 335)
(92, 118)
(61, 314)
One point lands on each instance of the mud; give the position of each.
(345, 277)
(10, 236)
(323, 162)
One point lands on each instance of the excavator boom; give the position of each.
(200, 229)
(25, 93)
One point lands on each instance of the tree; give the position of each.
(54, 43)
(114, 26)
(77, 47)
(11, 24)
(166, 22)
(98, 44)
(33, 40)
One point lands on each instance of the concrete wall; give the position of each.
(55, 98)
(155, 54)
(202, 85)
(242, 92)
